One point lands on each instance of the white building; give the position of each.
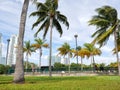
(55, 59)
(0, 48)
(3, 61)
(11, 59)
(65, 61)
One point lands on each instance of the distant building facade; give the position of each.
(55, 59)
(11, 59)
(3, 61)
(65, 61)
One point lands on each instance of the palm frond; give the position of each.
(41, 6)
(55, 4)
(57, 26)
(62, 19)
(106, 34)
(41, 27)
(64, 49)
(47, 24)
(28, 48)
(40, 20)
(99, 22)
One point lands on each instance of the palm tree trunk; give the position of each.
(26, 67)
(50, 54)
(19, 68)
(81, 64)
(69, 63)
(93, 64)
(7, 50)
(116, 49)
(40, 52)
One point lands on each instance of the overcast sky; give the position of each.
(78, 13)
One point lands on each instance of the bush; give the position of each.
(2, 69)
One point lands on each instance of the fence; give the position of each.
(73, 70)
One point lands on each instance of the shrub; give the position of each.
(2, 69)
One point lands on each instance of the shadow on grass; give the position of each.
(5, 82)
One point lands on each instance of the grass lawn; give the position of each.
(62, 83)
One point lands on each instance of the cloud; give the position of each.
(10, 6)
(106, 60)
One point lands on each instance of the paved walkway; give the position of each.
(72, 74)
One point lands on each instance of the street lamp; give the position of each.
(76, 47)
(8, 40)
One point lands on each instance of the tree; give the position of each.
(38, 45)
(28, 49)
(2, 69)
(93, 51)
(19, 68)
(49, 16)
(113, 65)
(82, 52)
(30, 64)
(64, 50)
(107, 23)
(58, 66)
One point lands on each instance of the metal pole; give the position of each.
(76, 49)
(8, 40)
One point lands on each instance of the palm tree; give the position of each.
(38, 45)
(93, 51)
(19, 67)
(65, 50)
(82, 52)
(107, 23)
(28, 49)
(49, 16)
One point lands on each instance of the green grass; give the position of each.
(62, 83)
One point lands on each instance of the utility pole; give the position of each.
(76, 50)
(8, 40)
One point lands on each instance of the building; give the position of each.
(0, 48)
(3, 61)
(55, 59)
(65, 61)
(11, 59)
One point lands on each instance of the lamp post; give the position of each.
(8, 40)
(76, 49)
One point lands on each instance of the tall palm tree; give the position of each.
(93, 52)
(64, 50)
(39, 43)
(28, 49)
(107, 23)
(49, 16)
(19, 67)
